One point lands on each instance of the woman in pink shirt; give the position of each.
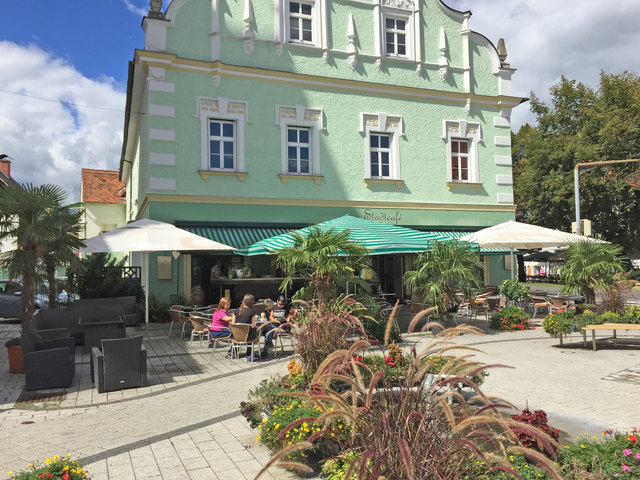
(221, 319)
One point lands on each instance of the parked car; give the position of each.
(11, 302)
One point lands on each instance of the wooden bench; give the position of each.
(606, 326)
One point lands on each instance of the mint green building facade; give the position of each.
(256, 114)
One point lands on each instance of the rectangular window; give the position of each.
(459, 160)
(379, 152)
(300, 22)
(395, 30)
(298, 150)
(221, 145)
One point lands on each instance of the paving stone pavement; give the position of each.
(186, 424)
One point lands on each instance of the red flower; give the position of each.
(633, 438)
(49, 475)
(65, 476)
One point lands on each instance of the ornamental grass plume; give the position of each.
(421, 427)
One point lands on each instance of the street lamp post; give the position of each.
(585, 167)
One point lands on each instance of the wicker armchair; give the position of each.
(240, 338)
(122, 363)
(49, 359)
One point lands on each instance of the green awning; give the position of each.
(378, 238)
(444, 236)
(237, 237)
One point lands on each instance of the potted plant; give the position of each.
(16, 355)
(197, 295)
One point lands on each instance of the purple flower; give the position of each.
(625, 468)
(627, 452)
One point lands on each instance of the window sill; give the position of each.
(317, 179)
(373, 181)
(475, 186)
(205, 174)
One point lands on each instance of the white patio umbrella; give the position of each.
(149, 236)
(521, 236)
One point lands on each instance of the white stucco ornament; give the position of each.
(404, 4)
(216, 80)
(279, 49)
(249, 36)
(443, 61)
(352, 49)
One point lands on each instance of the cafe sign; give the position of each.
(393, 216)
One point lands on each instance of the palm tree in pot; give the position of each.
(444, 269)
(27, 215)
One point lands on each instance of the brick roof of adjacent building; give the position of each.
(102, 186)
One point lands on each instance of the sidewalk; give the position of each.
(186, 424)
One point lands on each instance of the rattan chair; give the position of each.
(178, 314)
(200, 330)
(240, 333)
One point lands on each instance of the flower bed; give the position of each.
(53, 468)
(567, 322)
(509, 318)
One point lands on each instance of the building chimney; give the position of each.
(5, 165)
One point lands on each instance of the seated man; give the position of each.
(280, 315)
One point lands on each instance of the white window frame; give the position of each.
(398, 10)
(460, 156)
(223, 109)
(299, 116)
(463, 130)
(383, 123)
(379, 150)
(395, 32)
(319, 32)
(221, 138)
(300, 17)
(298, 145)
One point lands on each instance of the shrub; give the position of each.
(633, 313)
(509, 318)
(295, 421)
(327, 329)
(513, 290)
(558, 323)
(266, 396)
(613, 456)
(539, 420)
(517, 461)
(53, 468)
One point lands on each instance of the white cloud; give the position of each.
(133, 8)
(51, 141)
(549, 38)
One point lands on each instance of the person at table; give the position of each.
(280, 315)
(221, 319)
(246, 314)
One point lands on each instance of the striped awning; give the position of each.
(237, 237)
(444, 236)
(378, 238)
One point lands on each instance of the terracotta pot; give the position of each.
(16, 359)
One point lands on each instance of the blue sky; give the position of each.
(97, 36)
(72, 55)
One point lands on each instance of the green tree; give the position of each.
(326, 259)
(589, 265)
(581, 125)
(26, 216)
(443, 270)
(59, 251)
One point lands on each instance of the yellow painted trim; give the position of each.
(317, 179)
(175, 63)
(205, 174)
(372, 181)
(300, 202)
(452, 185)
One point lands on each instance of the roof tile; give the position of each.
(102, 186)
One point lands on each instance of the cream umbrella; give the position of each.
(149, 236)
(521, 236)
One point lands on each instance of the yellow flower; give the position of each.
(582, 445)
